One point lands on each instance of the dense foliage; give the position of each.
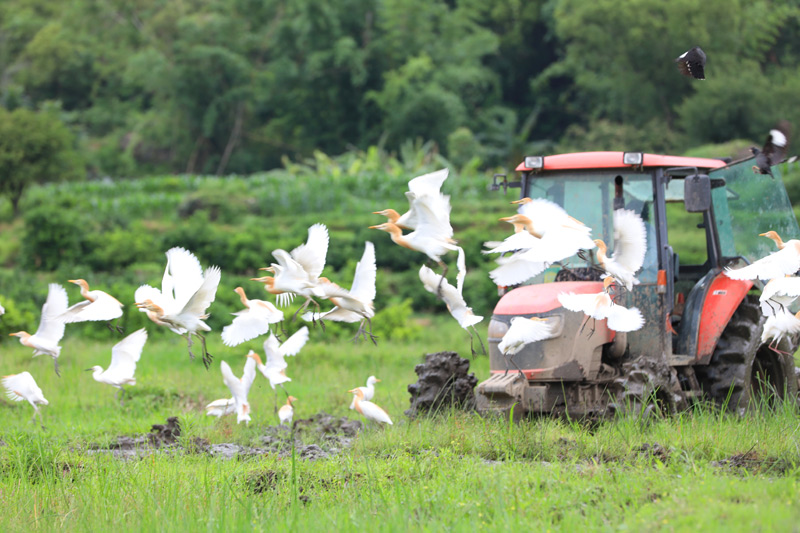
(211, 86)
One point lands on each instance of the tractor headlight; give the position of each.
(534, 162)
(632, 158)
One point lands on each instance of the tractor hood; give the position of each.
(541, 298)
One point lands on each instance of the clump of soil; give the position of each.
(443, 382)
(654, 450)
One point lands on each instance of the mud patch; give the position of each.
(655, 451)
(331, 434)
(443, 383)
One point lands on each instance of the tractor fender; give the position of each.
(709, 307)
(541, 298)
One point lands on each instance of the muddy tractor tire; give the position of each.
(743, 372)
(443, 383)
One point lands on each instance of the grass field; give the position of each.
(700, 470)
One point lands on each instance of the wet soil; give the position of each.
(444, 382)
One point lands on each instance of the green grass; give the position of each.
(701, 470)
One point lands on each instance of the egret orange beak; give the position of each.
(377, 380)
(522, 201)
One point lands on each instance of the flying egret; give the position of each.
(2, 310)
(297, 272)
(600, 305)
(220, 408)
(51, 326)
(368, 391)
(630, 247)
(523, 331)
(369, 410)
(239, 388)
(778, 264)
(544, 234)
(252, 322)
(183, 275)
(276, 353)
(778, 294)
(286, 412)
(429, 240)
(454, 301)
(23, 387)
(777, 326)
(356, 304)
(190, 317)
(424, 191)
(97, 306)
(124, 356)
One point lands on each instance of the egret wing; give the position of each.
(363, 288)
(779, 293)
(312, 254)
(126, 353)
(206, 294)
(249, 373)
(51, 326)
(623, 319)
(104, 307)
(630, 239)
(775, 265)
(272, 351)
(21, 387)
(186, 276)
(294, 343)
(244, 327)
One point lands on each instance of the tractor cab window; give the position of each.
(750, 204)
(590, 198)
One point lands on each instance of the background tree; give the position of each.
(34, 147)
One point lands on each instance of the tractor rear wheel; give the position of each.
(743, 372)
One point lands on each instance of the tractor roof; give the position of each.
(591, 160)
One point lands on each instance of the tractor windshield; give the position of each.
(589, 197)
(750, 204)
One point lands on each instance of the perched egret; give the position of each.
(97, 306)
(630, 246)
(23, 387)
(124, 356)
(368, 391)
(253, 321)
(777, 326)
(778, 294)
(454, 301)
(778, 264)
(354, 305)
(183, 276)
(369, 410)
(523, 331)
(276, 353)
(600, 305)
(239, 387)
(286, 412)
(190, 317)
(51, 326)
(423, 191)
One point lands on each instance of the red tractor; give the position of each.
(702, 335)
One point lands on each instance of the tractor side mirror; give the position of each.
(697, 193)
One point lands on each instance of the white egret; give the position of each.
(239, 388)
(21, 387)
(356, 304)
(51, 326)
(778, 264)
(368, 391)
(454, 301)
(286, 412)
(276, 353)
(523, 331)
(2, 310)
(219, 408)
(424, 191)
(630, 246)
(183, 275)
(252, 322)
(190, 317)
(97, 306)
(600, 306)
(778, 294)
(369, 410)
(297, 272)
(124, 356)
(777, 326)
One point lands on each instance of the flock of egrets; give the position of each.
(544, 234)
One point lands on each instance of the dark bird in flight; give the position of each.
(691, 63)
(774, 150)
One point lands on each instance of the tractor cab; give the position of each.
(700, 215)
